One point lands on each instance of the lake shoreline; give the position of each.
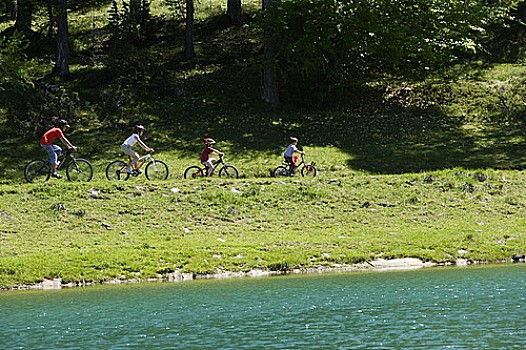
(177, 276)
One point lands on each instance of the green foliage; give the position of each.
(40, 105)
(32, 106)
(131, 21)
(136, 80)
(325, 44)
(492, 94)
(13, 62)
(505, 41)
(177, 6)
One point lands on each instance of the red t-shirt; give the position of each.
(205, 155)
(51, 135)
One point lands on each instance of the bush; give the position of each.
(13, 62)
(325, 44)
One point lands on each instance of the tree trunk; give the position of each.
(49, 5)
(270, 93)
(24, 15)
(10, 9)
(189, 52)
(234, 11)
(62, 64)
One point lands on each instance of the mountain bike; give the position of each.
(155, 169)
(225, 170)
(307, 170)
(77, 169)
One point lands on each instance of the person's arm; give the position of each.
(66, 142)
(298, 151)
(144, 147)
(218, 152)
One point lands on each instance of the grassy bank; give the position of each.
(424, 169)
(102, 230)
(428, 181)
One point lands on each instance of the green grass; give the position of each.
(400, 165)
(141, 230)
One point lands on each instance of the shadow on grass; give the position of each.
(384, 140)
(392, 140)
(218, 95)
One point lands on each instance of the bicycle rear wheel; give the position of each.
(37, 170)
(309, 170)
(280, 171)
(79, 170)
(115, 171)
(193, 172)
(229, 171)
(156, 170)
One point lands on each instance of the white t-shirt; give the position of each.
(289, 152)
(132, 140)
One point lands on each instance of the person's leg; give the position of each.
(50, 150)
(57, 150)
(133, 157)
(209, 167)
(294, 166)
(133, 161)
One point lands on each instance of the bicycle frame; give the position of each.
(297, 166)
(145, 159)
(217, 163)
(220, 166)
(153, 168)
(77, 169)
(287, 168)
(63, 156)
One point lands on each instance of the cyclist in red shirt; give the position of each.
(57, 132)
(205, 155)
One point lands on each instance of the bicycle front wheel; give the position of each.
(115, 171)
(309, 170)
(156, 170)
(193, 172)
(229, 171)
(37, 171)
(280, 171)
(79, 170)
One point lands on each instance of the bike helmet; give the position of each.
(139, 128)
(293, 139)
(62, 123)
(209, 141)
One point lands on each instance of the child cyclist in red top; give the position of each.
(57, 132)
(205, 155)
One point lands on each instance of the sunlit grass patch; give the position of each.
(133, 230)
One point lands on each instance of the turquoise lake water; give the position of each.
(438, 308)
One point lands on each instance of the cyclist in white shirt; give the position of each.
(289, 154)
(127, 147)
